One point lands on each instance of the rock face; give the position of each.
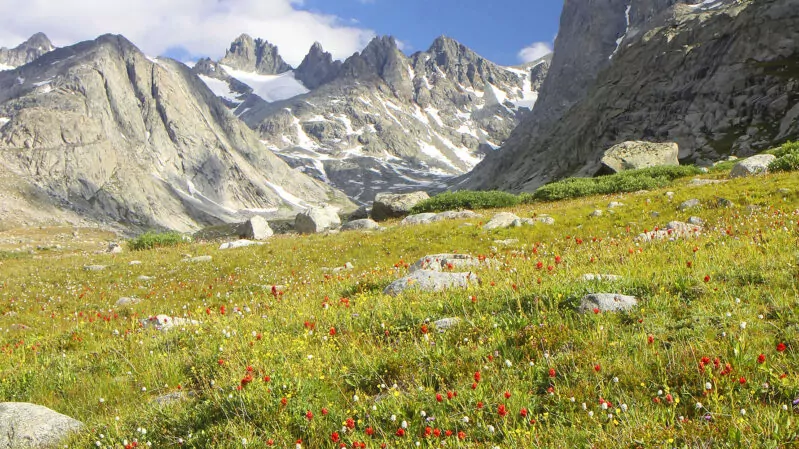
(104, 131)
(389, 205)
(430, 281)
(754, 165)
(24, 425)
(381, 120)
(254, 55)
(712, 77)
(317, 219)
(26, 52)
(636, 155)
(607, 302)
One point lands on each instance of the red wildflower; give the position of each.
(439, 398)
(400, 432)
(761, 358)
(461, 435)
(552, 372)
(370, 431)
(334, 437)
(523, 412)
(597, 368)
(350, 423)
(781, 347)
(507, 395)
(502, 410)
(309, 415)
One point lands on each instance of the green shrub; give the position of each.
(150, 240)
(466, 199)
(628, 181)
(787, 157)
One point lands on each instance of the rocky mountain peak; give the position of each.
(26, 52)
(254, 55)
(382, 58)
(317, 68)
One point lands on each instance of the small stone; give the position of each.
(456, 215)
(696, 221)
(607, 302)
(502, 220)
(784, 191)
(654, 214)
(239, 244)
(114, 248)
(752, 209)
(134, 262)
(724, 202)
(418, 219)
(545, 219)
(126, 301)
(614, 204)
(198, 259)
(507, 242)
(95, 267)
(165, 322)
(690, 204)
(145, 278)
(446, 323)
(600, 277)
(596, 213)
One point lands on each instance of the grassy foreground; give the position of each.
(287, 353)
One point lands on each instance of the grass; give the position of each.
(151, 240)
(466, 199)
(628, 181)
(787, 158)
(280, 337)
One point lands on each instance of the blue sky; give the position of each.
(497, 30)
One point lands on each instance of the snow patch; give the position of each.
(435, 153)
(627, 30)
(3, 121)
(220, 88)
(286, 196)
(4, 67)
(433, 112)
(270, 87)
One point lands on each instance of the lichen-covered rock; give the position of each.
(431, 281)
(364, 224)
(634, 155)
(316, 220)
(751, 166)
(256, 228)
(607, 302)
(31, 426)
(395, 205)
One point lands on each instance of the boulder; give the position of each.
(316, 220)
(364, 224)
(256, 228)
(239, 244)
(360, 213)
(417, 219)
(114, 248)
(395, 205)
(607, 302)
(24, 425)
(446, 323)
(596, 213)
(448, 262)
(690, 204)
(456, 215)
(505, 220)
(198, 259)
(545, 219)
(673, 231)
(127, 301)
(430, 281)
(754, 165)
(633, 155)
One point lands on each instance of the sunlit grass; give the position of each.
(280, 337)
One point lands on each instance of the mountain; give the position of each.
(34, 47)
(381, 120)
(254, 55)
(717, 77)
(103, 131)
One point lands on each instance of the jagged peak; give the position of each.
(39, 40)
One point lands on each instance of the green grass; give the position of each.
(628, 181)
(787, 158)
(334, 345)
(150, 240)
(466, 199)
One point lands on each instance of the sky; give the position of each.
(508, 32)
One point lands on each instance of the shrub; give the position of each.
(150, 240)
(466, 199)
(787, 157)
(628, 181)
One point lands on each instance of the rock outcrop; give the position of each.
(754, 165)
(636, 155)
(31, 426)
(716, 78)
(254, 55)
(390, 205)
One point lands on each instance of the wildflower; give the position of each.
(597, 368)
(461, 435)
(370, 431)
(552, 372)
(477, 376)
(523, 412)
(439, 398)
(761, 358)
(309, 415)
(781, 347)
(507, 395)
(501, 410)
(400, 432)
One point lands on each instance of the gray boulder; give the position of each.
(395, 205)
(456, 215)
(198, 259)
(607, 302)
(417, 219)
(446, 323)
(690, 204)
(364, 224)
(95, 267)
(754, 165)
(24, 425)
(674, 230)
(448, 262)
(360, 213)
(127, 301)
(506, 220)
(431, 281)
(600, 277)
(633, 155)
(316, 220)
(256, 228)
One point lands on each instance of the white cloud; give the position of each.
(534, 51)
(203, 27)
